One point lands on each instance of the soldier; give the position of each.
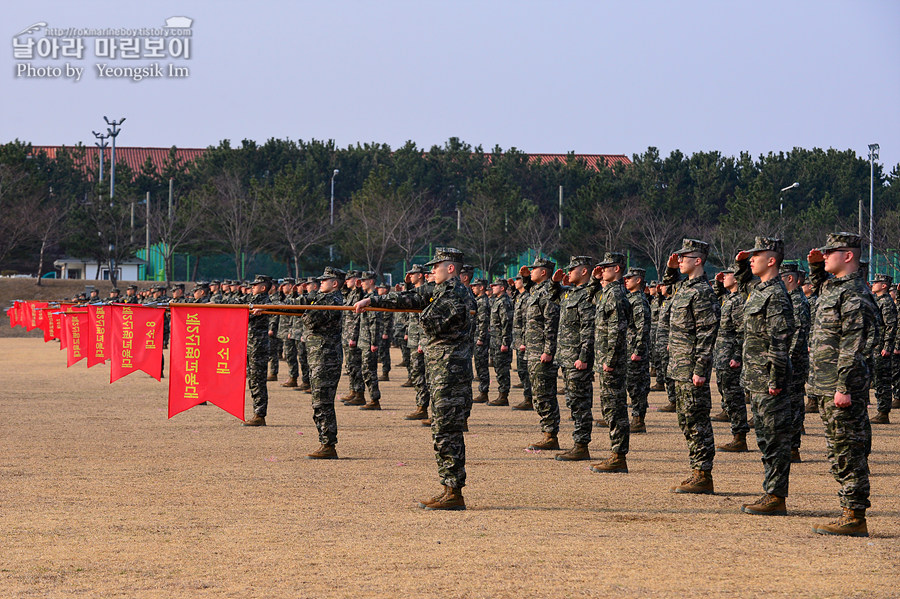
(370, 329)
(275, 346)
(843, 323)
(885, 349)
(94, 297)
(611, 358)
(501, 340)
(729, 357)
(790, 276)
(356, 396)
(323, 340)
(655, 305)
(638, 343)
(283, 333)
(482, 339)
(693, 323)
(215, 292)
(113, 298)
(541, 326)
(662, 345)
(895, 359)
(445, 320)
(766, 374)
(297, 335)
(576, 352)
(130, 295)
(415, 278)
(523, 291)
(384, 345)
(258, 351)
(200, 293)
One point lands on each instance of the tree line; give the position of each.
(391, 205)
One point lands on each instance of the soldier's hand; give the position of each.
(289, 336)
(720, 277)
(608, 368)
(361, 305)
(566, 279)
(373, 348)
(546, 358)
(511, 282)
(504, 348)
(419, 350)
(698, 380)
(524, 272)
(635, 358)
(579, 365)
(774, 392)
(597, 273)
(884, 353)
(741, 256)
(559, 275)
(734, 364)
(815, 256)
(521, 348)
(255, 311)
(271, 333)
(479, 343)
(672, 262)
(351, 343)
(841, 400)
(406, 337)
(897, 352)
(384, 336)
(408, 278)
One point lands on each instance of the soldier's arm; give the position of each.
(484, 318)
(671, 276)
(853, 337)
(586, 313)
(801, 322)
(890, 325)
(550, 310)
(506, 325)
(780, 325)
(817, 276)
(743, 275)
(641, 315)
(706, 322)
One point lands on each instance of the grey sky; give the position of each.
(587, 76)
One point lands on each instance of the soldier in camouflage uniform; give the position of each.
(131, 295)
(258, 351)
(401, 325)
(809, 290)
(370, 330)
(729, 360)
(693, 324)
(576, 351)
(766, 374)
(523, 292)
(655, 300)
(215, 292)
(285, 326)
(323, 339)
(895, 359)
(638, 344)
(415, 278)
(501, 339)
(482, 339)
(882, 371)
(384, 343)
(275, 347)
(352, 350)
(790, 275)
(445, 320)
(843, 324)
(662, 345)
(541, 326)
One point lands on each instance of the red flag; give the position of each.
(51, 328)
(12, 313)
(208, 358)
(135, 339)
(97, 353)
(36, 315)
(76, 324)
(17, 319)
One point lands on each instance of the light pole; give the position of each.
(102, 145)
(331, 219)
(873, 156)
(794, 185)
(113, 131)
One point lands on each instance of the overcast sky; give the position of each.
(588, 76)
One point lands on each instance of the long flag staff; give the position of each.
(284, 308)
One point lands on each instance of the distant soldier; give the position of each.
(200, 293)
(370, 330)
(844, 321)
(884, 351)
(258, 351)
(131, 295)
(809, 290)
(728, 356)
(662, 345)
(275, 346)
(638, 343)
(356, 396)
(523, 292)
(482, 339)
(895, 360)
(501, 340)
(283, 332)
(215, 291)
(114, 294)
(790, 275)
(655, 306)
(415, 279)
(384, 344)
(298, 336)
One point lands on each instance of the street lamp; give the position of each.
(794, 185)
(331, 220)
(873, 156)
(113, 131)
(102, 144)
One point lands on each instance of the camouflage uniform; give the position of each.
(693, 324)
(501, 334)
(519, 340)
(370, 327)
(351, 333)
(541, 315)
(445, 322)
(611, 349)
(637, 342)
(384, 345)
(655, 305)
(258, 354)
(416, 341)
(401, 325)
(483, 335)
(729, 346)
(275, 346)
(799, 358)
(844, 322)
(882, 364)
(895, 363)
(662, 346)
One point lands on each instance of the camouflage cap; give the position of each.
(693, 246)
(576, 261)
(215, 282)
(467, 268)
(368, 275)
(767, 244)
(353, 274)
(612, 259)
(789, 268)
(837, 241)
(636, 272)
(883, 278)
(445, 254)
(501, 282)
(482, 282)
(729, 270)
(286, 281)
(178, 286)
(383, 285)
(158, 288)
(262, 280)
(544, 263)
(416, 269)
(653, 283)
(313, 280)
(332, 272)
(115, 290)
(132, 287)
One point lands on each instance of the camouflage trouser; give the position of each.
(354, 368)
(895, 375)
(728, 380)
(404, 352)
(370, 372)
(693, 405)
(637, 383)
(613, 395)
(274, 354)
(848, 439)
(773, 422)
(290, 356)
(257, 360)
(303, 360)
(796, 394)
(482, 354)
(662, 379)
(522, 371)
(384, 356)
(882, 382)
(580, 399)
(502, 364)
(450, 385)
(325, 374)
(670, 390)
(417, 376)
(543, 388)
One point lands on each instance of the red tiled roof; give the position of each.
(591, 160)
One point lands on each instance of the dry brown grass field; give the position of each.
(102, 496)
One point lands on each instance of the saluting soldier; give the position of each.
(384, 344)
(728, 355)
(415, 278)
(482, 339)
(523, 292)
(638, 343)
(885, 349)
(501, 339)
(283, 332)
(258, 351)
(370, 329)
(790, 275)
(131, 295)
(662, 345)
(352, 350)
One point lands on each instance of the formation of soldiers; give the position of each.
(773, 333)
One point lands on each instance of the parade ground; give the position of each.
(103, 496)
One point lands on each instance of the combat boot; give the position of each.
(408, 383)
(291, 382)
(384, 377)
(669, 407)
(350, 395)
(525, 406)
(657, 386)
(518, 386)
(637, 424)
(272, 377)
(549, 441)
(578, 453)
(720, 417)
(812, 406)
(767, 505)
(452, 500)
(601, 422)
(736, 445)
(372, 405)
(420, 413)
(700, 482)
(427, 422)
(305, 386)
(480, 398)
(751, 423)
(426, 502)
(852, 523)
(614, 463)
(880, 418)
(257, 420)
(502, 400)
(359, 399)
(325, 452)
(795, 457)
(895, 403)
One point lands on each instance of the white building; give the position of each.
(86, 269)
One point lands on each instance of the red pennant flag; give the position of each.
(97, 353)
(12, 312)
(135, 338)
(51, 328)
(208, 358)
(17, 318)
(76, 324)
(36, 315)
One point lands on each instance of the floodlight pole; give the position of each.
(873, 156)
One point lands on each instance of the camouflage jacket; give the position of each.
(800, 341)
(611, 328)
(638, 336)
(483, 320)
(501, 322)
(519, 318)
(576, 326)
(258, 327)
(414, 333)
(888, 310)
(541, 316)
(655, 306)
(325, 324)
(730, 339)
(768, 330)
(662, 326)
(351, 319)
(370, 326)
(445, 317)
(216, 298)
(693, 324)
(285, 323)
(844, 322)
